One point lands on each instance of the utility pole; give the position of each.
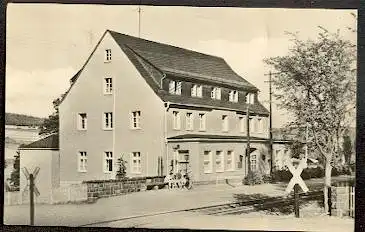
(270, 121)
(248, 149)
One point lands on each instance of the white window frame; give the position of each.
(176, 120)
(219, 160)
(108, 86)
(202, 121)
(82, 120)
(82, 161)
(207, 162)
(136, 167)
(108, 55)
(199, 91)
(225, 123)
(260, 127)
(194, 90)
(108, 120)
(175, 87)
(242, 123)
(108, 162)
(231, 160)
(189, 123)
(136, 119)
(215, 93)
(233, 96)
(250, 98)
(253, 162)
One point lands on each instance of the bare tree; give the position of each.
(316, 84)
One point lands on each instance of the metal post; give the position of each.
(329, 191)
(296, 200)
(248, 140)
(31, 198)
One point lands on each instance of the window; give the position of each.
(224, 123)
(207, 161)
(136, 119)
(136, 162)
(176, 120)
(199, 92)
(196, 90)
(202, 122)
(230, 160)
(189, 121)
(108, 121)
(253, 160)
(108, 55)
(82, 121)
(216, 93)
(233, 96)
(242, 122)
(250, 98)
(108, 85)
(175, 87)
(82, 161)
(260, 127)
(108, 167)
(219, 161)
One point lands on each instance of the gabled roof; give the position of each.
(155, 61)
(50, 142)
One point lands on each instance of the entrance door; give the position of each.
(183, 160)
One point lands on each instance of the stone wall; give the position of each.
(106, 188)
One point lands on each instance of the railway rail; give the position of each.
(238, 207)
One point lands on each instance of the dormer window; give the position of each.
(175, 87)
(197, 90)
(216, 93)
(250, 98)
(233, 96)
(108, 55)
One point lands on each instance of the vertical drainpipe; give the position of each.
(167, 105)
(114, 92)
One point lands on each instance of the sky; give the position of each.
(48, 43)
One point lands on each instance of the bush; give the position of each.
(253, 178)
(281, 176)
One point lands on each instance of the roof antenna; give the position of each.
(139, 21)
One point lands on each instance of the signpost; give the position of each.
(296, 182)
(32, 190)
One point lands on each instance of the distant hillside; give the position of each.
(22, 120)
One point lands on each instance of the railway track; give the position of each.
(255, 204)
(239, 207)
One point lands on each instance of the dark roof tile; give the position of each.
(50, 142)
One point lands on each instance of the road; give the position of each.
(151, 202)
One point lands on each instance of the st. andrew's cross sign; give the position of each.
(27, 175)
(32, 190)
(296, 179)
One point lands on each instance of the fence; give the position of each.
(343, 198)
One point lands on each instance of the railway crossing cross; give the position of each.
(32, 190)
(296, 179)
